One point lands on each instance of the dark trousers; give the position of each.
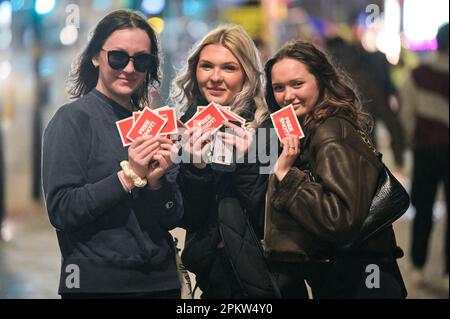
(347, 278)
(430, 168)
(391, 120)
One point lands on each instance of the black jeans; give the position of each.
(348, 278)
(430, 168)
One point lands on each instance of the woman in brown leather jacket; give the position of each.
(330, 203)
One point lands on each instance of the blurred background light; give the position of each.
(17, 5)
(230, 3)
(124, 4)
(388, 40)
(44, 6)
(421, 21)
(5, 69)
(197, 29)
(5, 39)
(5, 14)
(153, 6)
(68, 35)
(46, 66)
(392, 16)
(157, 24)
(191, 7)
(102, 5)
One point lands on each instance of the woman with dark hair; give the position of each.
(326, 181)
(112, 210)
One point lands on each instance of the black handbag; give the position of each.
(389, 203)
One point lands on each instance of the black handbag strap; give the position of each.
(364, 137)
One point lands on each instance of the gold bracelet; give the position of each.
(128, 172)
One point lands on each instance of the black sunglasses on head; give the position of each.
(118, 60)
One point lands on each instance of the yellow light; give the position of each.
(157, 24)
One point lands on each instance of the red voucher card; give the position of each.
(180, 130)
(171, 125)
(136, 115)
(210, 117)
(231, 116)
(149, 123)
(226, 111)
(286, 123)
(124, 126)
(201, 108)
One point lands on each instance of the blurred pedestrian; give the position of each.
(371, 74)
(425, 117)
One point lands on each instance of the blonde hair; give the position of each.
(185, 89)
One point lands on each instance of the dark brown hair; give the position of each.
(337, 91)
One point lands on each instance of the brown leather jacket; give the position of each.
(331, 207)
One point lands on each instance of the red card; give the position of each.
(231, 116)
(226, 111)
(136, 116)
(171, 125)
(149, 123)
(201, 108)
(210, 117)
(124, 126)
(181, 125)
(286, 123)
(180, 130)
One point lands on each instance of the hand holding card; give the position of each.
(286, 123)
(171, 120)
(148, 123)
(124, 126)
(211, 117)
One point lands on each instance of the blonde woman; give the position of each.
(224, 67)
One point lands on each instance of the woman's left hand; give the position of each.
(242, 139)
(160, 163)
(291, 150)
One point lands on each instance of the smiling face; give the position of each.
(220, 76)
(292, 83)
(119, 85)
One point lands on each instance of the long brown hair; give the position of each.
(337, 91)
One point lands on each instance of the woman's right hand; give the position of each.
(197, 143)
(291, 150)
(141, 152)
